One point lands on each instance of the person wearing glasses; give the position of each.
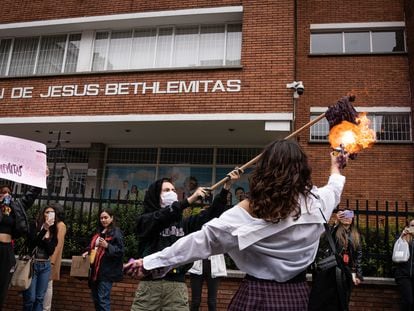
(13, 224)
(404, 271)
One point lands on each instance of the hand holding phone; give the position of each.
(51, 217)
(348, 214)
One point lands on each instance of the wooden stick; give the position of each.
(256, 158)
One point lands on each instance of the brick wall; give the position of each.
(382, 173)
(385, 171)
(73, 294)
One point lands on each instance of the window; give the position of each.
(357, 38)
(39, 55)
(141, 166)
(144, 48)
(388, 127)
(166, 47)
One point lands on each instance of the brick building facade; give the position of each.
(176, 116)
(138, 90)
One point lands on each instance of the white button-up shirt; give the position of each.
(265, 250)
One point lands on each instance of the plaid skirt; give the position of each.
(263, 295)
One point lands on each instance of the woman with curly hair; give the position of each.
(273, 235)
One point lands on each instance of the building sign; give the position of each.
(123, 88)
(23, 161)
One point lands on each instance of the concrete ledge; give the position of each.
(237, 274)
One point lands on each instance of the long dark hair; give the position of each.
(110, 212)
(281, 175)
(40, 220)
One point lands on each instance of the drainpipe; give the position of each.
(295, 53)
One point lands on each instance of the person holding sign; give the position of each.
(13, 224)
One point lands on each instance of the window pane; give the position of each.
(72, 53)
(77, 182)
(4, 55)
(356, 42)
(132, 155)
(99, 52)
(212, 45)
(143, 48)
(393, 127)
(164, 47)
(388, 41)
(186, 155)
(52, 49)
(326, 43)
(185, 46)
(23, 56)
(119, 50)
(234, 41)
(320, 130)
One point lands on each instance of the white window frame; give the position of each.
(343, 28)
(315, 111)
(39, 42)
(88, 26)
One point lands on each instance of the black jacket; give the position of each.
(355, 255)
(159, 227)
(19, 208)
(36, 240)
(406, 269)
(111, 265)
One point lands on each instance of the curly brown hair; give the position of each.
(281, 175)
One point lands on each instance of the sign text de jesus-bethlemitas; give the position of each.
(125, 88)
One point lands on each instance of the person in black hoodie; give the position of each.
(159, 227)
(13, 224)
(106, 250)
(404, 272)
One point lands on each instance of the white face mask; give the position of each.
(167, 198)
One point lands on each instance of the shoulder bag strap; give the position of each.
(338, 269)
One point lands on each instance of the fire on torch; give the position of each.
(351, 138)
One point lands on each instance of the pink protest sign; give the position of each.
(23, 161)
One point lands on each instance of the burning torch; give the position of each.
(341, 111)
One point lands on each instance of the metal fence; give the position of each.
(378, 222)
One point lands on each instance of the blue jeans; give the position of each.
(33, 296)
(101, 295)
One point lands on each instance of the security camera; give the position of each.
(298, 87)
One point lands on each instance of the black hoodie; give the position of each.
(158, 228)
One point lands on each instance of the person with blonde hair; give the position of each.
(335, 284)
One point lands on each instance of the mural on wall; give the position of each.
(186, 179)
(129, 182)
(240, 188)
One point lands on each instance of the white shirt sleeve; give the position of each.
(330, 194)
(214, 238)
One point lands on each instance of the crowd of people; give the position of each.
(276, 234)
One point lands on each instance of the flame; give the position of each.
(353, 137)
